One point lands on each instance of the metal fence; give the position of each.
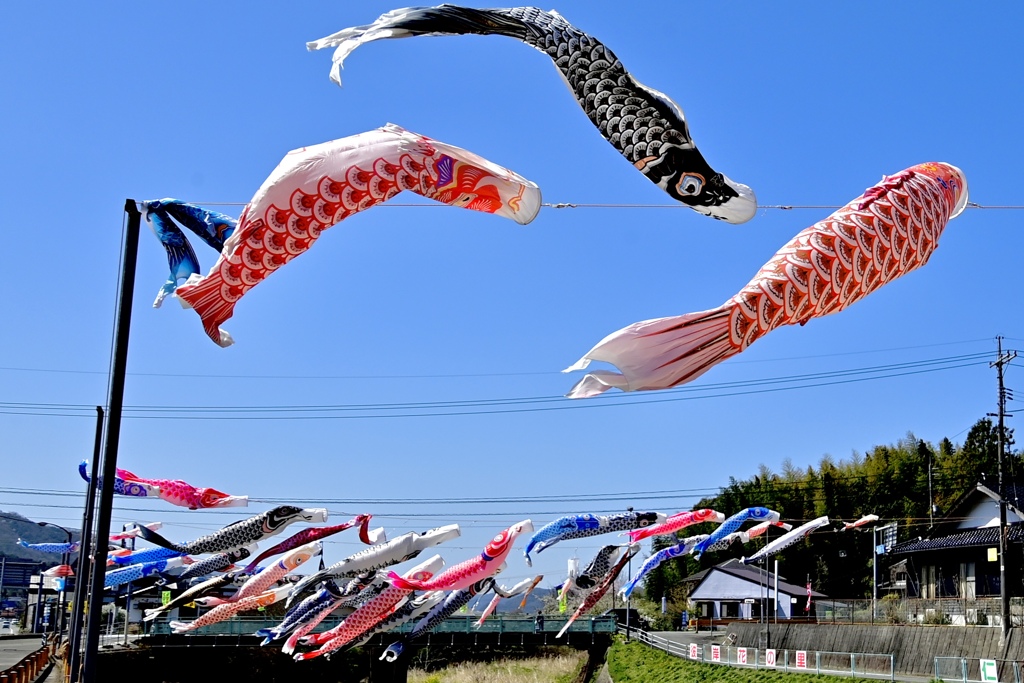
(968, 670)
(856, 664)
(950, 611)
(240, 626)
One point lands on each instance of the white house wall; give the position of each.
(985, 513)
(719, 587)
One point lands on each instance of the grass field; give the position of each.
(638, 663)
(561, 669)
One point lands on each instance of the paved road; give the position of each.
(12, 650)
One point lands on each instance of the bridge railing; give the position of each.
(855, 664)
(241, 626)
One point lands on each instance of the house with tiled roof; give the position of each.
(733, 590)
(958, 557)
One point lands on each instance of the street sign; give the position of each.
(769, 657)
(989, 670)
(888, 533)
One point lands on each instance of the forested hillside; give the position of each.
(14, 526)
(890, 481)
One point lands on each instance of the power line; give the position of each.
(470, 375)
(506, 405)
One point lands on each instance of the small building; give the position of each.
(733, 590)
(958, 556)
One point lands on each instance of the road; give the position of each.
(12, 650)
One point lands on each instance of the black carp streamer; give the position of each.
(645, 125)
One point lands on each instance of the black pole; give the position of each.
(114, 406)
(39, 602)
(84, 553)
(1004, 595)
(65, 559)
(629, 601)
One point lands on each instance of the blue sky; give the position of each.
(808, 103)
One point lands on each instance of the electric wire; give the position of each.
(508, 404)
(473, 375)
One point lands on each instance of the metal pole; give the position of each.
(65, 560)
(1004, 595)
(931, 498)
(776, 610)
(84, 553)
(39, 602)
(114, 406)
(629, 600)
(128, 595)
(874, 570)
(3, 569)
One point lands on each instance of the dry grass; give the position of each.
(538, 670)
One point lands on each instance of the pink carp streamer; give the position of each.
(598, 593)
(762, 528)
(488, 611)
(866, 519)
(315, 188)
(293, 640)
(317, 533)
(890, 230)
(178, 492)
(370, 614)
(678, 521)
(134, 531)
(268, 577)
(472, 570)
(230, 609)
(60, 571)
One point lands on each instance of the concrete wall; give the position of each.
(914, 647)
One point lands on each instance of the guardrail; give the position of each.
(30, 666)
(969, 669)
(855, 664)
(240, 626)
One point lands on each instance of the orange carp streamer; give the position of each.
(890, 230)
(314, 188)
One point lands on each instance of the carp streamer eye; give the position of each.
(691, 184)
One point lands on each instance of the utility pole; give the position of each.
(1001, 361)
(115, 406)
(931, 498)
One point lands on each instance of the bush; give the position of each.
(936, 618)
(892, 609)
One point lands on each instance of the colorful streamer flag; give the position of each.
(317, 187)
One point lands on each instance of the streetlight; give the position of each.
(65, 559)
